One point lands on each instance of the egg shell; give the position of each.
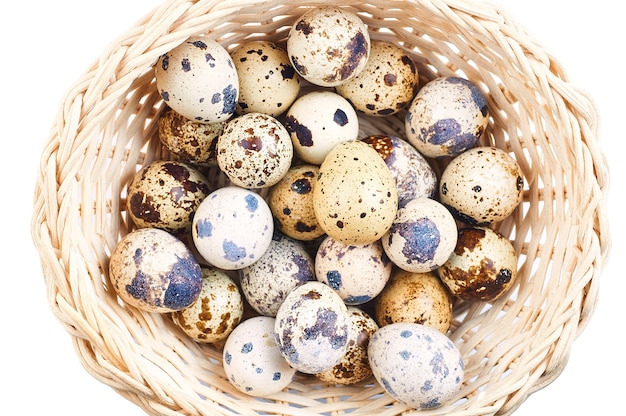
(254, 151)
(422, 236)
(216, 312)
(252, 362)
(412, 172)
(165, 195)
(232, 228)
(154, 271)
(447, 117)
(386, 85)
(328, 45)
(482, 186)
(483, 266)
(420, 298)
(312, 328)
(417, 365)
(268, 83)
(291, 202)
(354, 367)
(355, 198)
(285, 265)
(357, 273)
(189, 141)
(198, 79)
(319, 120)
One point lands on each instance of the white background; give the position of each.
(46, 45)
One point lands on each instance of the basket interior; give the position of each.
(511, 347)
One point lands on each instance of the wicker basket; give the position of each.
(106, 130)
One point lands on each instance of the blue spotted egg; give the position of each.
(422, 236)
(358, 273)
(154, 271)
(199, 80)
(312, 328)
(252, 361)
(417, 365)
(232, 228)
(447, 117)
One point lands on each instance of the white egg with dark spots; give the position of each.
(254, 151)
(312, 328)
(317, 122)
(232, 228)
(416, 365)
(198, 79)
(154, 271)
(285, 265)
(422, 236)
(357, 273)
(252, 361)
(447, 117)
(328, 45)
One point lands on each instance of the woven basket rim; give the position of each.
(105, 130)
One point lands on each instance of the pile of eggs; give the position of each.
(318, 251)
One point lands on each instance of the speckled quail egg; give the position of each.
(218, 310)
(198, 79)
(483, 266)
(232, 228)
(482, 186)
(414, 176)
(386, 85)
(154, 271)
(415, 297)
(252, 362)
(357, 273)
(319, 120)
(268, 83)
(312, 328)
(447, 116)
(354, 367)
(355, 198)
(254, 150)
(328, 45)
(166, 195)
(285, 265)
(422, 236)
(417, 365)
(291, 202)
(189, 141)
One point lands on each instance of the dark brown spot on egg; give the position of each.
(469, 238)
(390, 80)
(304, 27)
(359, 48)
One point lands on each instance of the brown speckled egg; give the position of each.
(414, 176)
(386, 85)
(285, 265)
(254, 151)
(483, 266)
(422, 236)
(415, 297)
(166, 195)
(154, 271)
(189, 141)
(355, 198)
(482, 186)
(357, 273)
(268, 83)
(447, 116)
(291, 202)
(217, 311)
(318, 121)
(328, 45)
(198, 79)
(354, 366)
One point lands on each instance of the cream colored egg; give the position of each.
(355, 198)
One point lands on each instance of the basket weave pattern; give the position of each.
(106, 130)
